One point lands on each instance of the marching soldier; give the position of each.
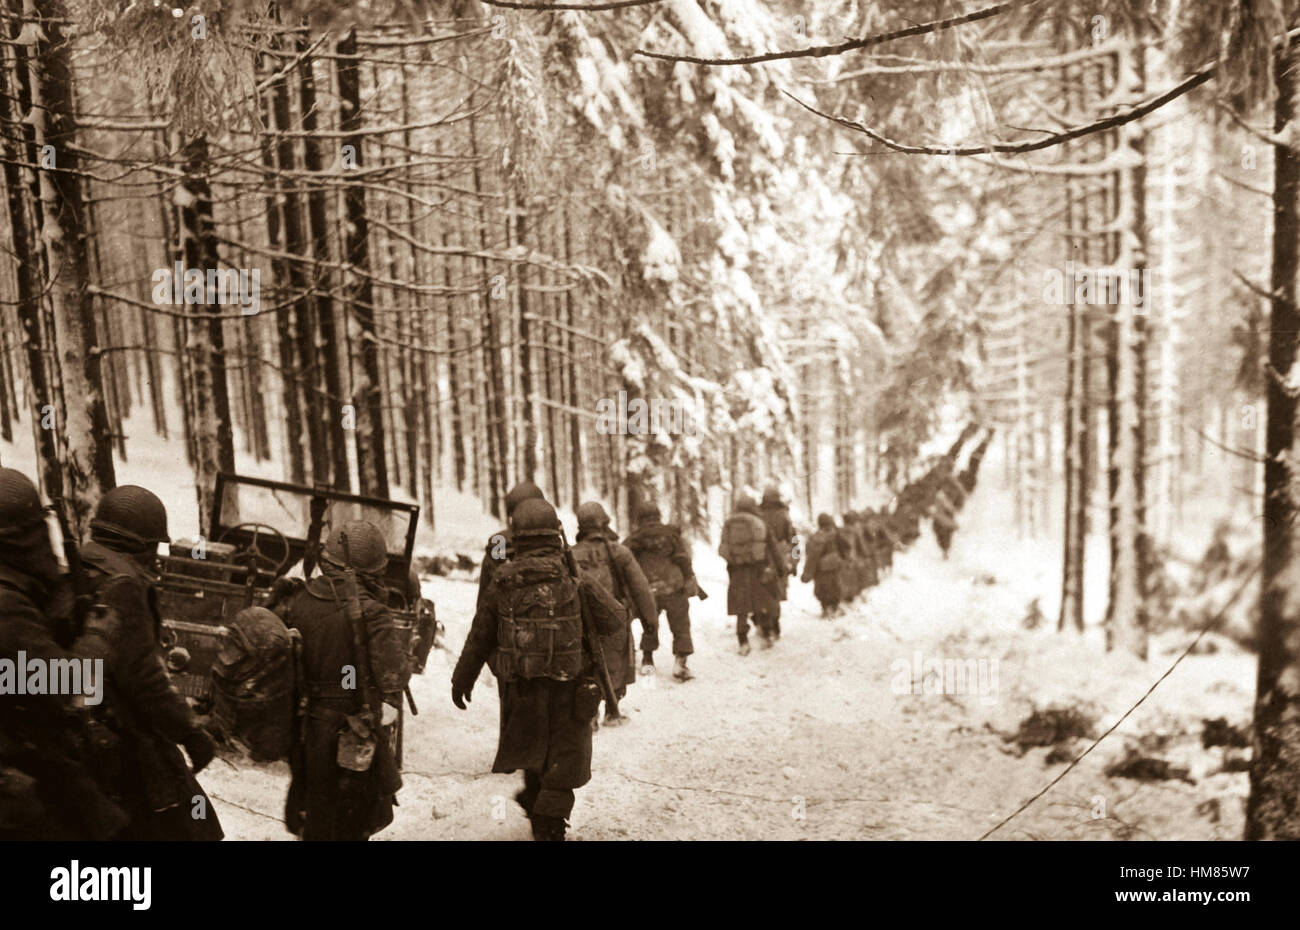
(754, 563)
(51, 760)
(160, 792)
(355, 666)
(666, 561)
(533, 626)
(602, 559)
(498, 545)
(825, 554)
(776, 514)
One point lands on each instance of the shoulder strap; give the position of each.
(615, 570)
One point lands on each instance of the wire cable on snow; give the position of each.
(1213, 621)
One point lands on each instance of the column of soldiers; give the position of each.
(844, 561)
(552, 622)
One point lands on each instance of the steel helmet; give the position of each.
(20, 504)
(130, 516)
(534, 518)
(591, 515)
(358, 545)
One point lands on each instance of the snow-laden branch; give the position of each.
(580, 7)
(1034, 145)
(826, 51)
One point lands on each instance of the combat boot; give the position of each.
(744, 647)
(680, 671)
(613, 718)
(764, 639)
(648, 664)
(548, 829)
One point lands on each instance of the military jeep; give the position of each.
(261, 531)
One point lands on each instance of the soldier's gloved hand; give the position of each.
(104, 623)
(690, 588)
(200, 748)
(387, 715)
(460, 695)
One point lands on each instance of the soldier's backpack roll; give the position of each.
(744, 540)
(253, 684)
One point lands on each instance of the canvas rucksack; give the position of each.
(655, 547)
(744, 540)
(253, 683)
(539, 620)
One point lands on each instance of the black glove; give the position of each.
(460, 695)
(200, 748)
(103, 622)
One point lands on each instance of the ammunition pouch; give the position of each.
(357, 742)
(586, 699)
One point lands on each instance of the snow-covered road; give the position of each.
(810, 740)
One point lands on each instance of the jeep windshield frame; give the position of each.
(287, 507)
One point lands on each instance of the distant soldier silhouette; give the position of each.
(665, 559)
(776, 514)
(755, 562)
(823, 558)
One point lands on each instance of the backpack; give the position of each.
(253, 679)
(539, 620)
(744, 540)
(654, 548)
(595, 563)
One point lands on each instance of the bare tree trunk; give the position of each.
(1125, 618)
(329, 406)
(372, 469)
(88, 461)
(1273, 809)
(1074, 549)
(287, 317)
(197, 249)
(28, 276)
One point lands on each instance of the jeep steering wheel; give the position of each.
(251, 554)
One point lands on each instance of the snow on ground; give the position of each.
(809, 740)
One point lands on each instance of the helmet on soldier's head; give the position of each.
(745, 503)
(591, 516)
(771, 495)
(534, 518)
(649, 513)
(130, 518)
(20, 503)
(358, 545)
(523, 491)
(825, 521)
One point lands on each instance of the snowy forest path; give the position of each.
(810, 740)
